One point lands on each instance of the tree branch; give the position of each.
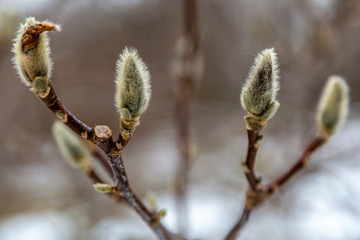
(102, 137)
(134, 202)
(257, 194)
(239, 224)
(254, 139)
(298, 165)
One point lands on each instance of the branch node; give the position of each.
(254, 124)
(125, 134)
(254, 198)
(307, 160)
(43, 95)
(119, 146)
(129, 124)
(245, 168)
(273, 188)
(102, 132)
(160, 215)
(62, 116)
(258, 181)
(115, 151)
(84, 134)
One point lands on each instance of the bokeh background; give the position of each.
(41, 197)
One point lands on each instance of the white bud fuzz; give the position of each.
(132, 85)
(31, 49)
(72, 147)
(333, 106)
(259, 93)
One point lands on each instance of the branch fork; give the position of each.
(257, 193)
(34, 66)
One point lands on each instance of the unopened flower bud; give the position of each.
(132, 85)
(259, 93)
(72, 147)
(333, 106)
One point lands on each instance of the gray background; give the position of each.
(41, 197)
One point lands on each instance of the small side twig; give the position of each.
(96, 179)
(239, 224)
(131, 198)
(254, 139)
(101, 136)
(257, 193)
(317, 142)
(51, 100)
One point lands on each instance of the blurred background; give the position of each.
(41, 197)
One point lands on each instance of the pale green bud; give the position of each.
(132, 85)
(333, 106)
(104, 188)
(72, 147)
(32, 54)
(151, 200)
(161, 214)
(259, 93)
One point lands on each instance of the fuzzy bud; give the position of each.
(31, 49)
(132, 86)
(259, 93)
(72, 147)
(333, 106)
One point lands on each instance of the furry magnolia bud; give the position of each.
(258, 94)
(132, 85)
(31, 49)
(71, 147)
(333, 106)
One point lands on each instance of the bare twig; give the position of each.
(102, 157)
(96, 179)
(254, 139)
(130, 197)
(257, 193)
(299, 164)
(95, 135)
(239, 224)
